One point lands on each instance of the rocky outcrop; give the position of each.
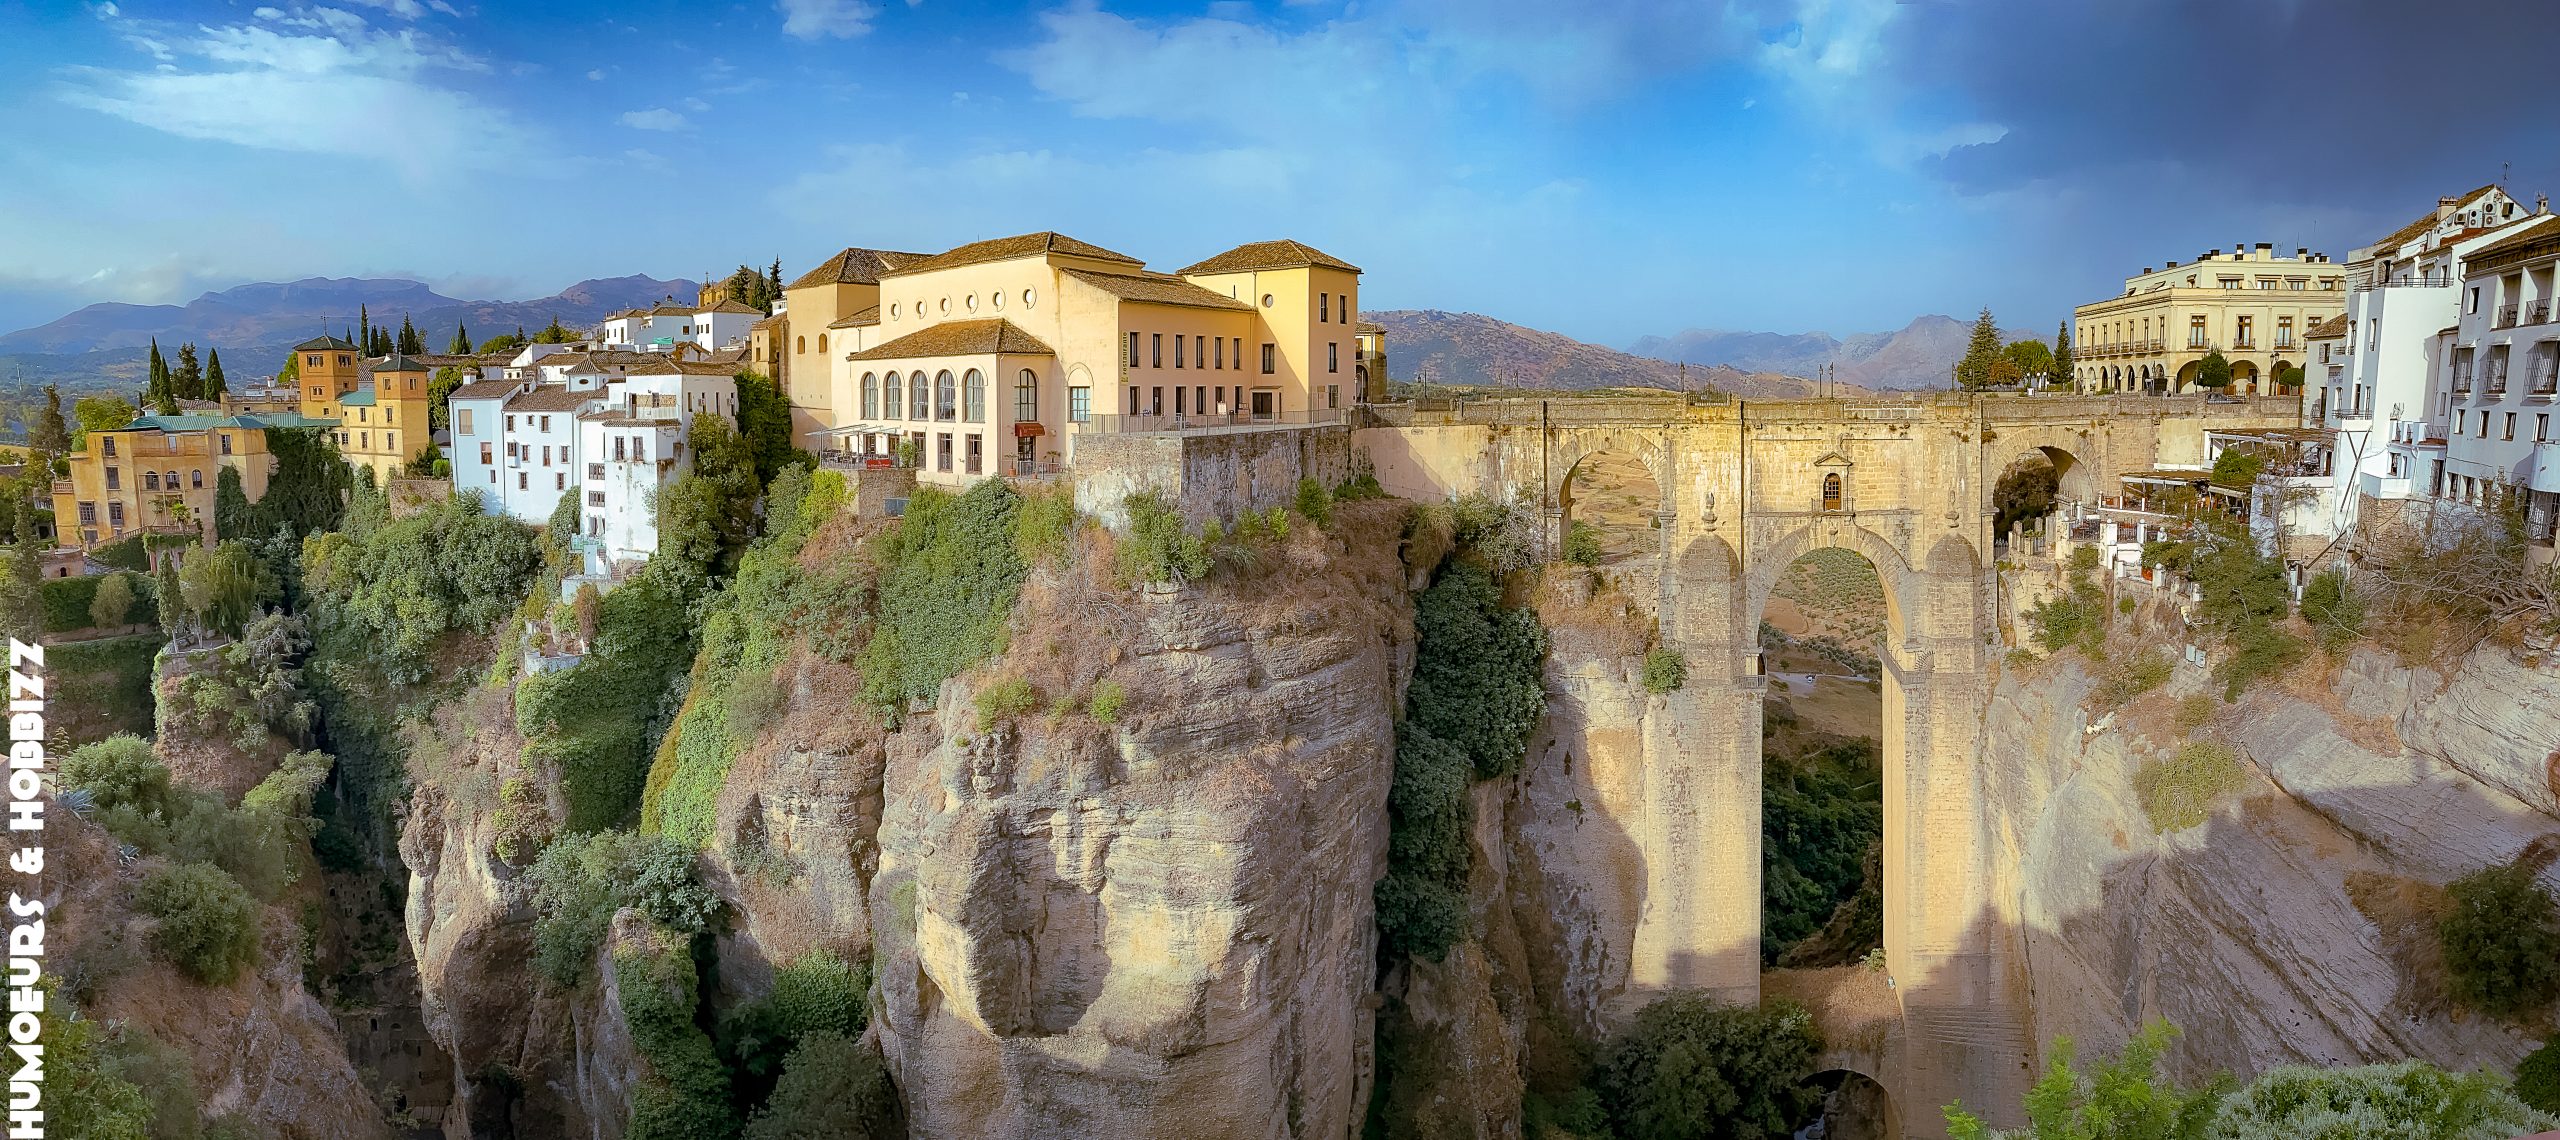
(1160, 927)
(2277, 931)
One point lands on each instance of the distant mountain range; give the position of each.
(1922, 354)
(254, 324)
(1434, 347)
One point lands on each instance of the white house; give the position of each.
(2501, 378)
(634, 442)
(474, 414)
(667, 324)
(2406, 289)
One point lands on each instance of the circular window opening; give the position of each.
(1266, 300)
(998, 299)
(893, 310)
(1029, 298)
(945, 306)
(972, 302)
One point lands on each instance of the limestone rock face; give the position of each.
(2251, 931)
(1163, 927)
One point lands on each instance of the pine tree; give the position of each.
(2062, 354)
(553, 334)
(773, 285)
(173, 608)
(461, 345)
(410, 343)
(187, 383)
(1980, 367)
(215, 387)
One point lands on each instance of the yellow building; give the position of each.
(795, 348)
(327, 370)
(383, 424)
(159, 474)
(2250, 305)
(1021, 344)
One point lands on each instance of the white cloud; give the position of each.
(320, 81)
(654, 119)
(820, 19)
(597, 73)
(693, 104)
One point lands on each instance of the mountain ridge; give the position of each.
(1922, 354)
(1439, 347)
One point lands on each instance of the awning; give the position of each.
(1028, 430)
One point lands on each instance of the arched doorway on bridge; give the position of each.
(1610, 505)
(2039, 483)
(1822, 634)
(1854, 1107)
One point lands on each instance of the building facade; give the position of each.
(383, 426)
(990, 358)
(709, 326)
(2251, 305)
(159, 475)
(2500, 377)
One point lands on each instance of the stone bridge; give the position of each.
(1747, 487)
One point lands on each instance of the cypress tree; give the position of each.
(215, 387)
(2062, 354)
(50, 435)
(364, 324)
(155, 390)
(461, 345)
(187, 383)
(410, 343)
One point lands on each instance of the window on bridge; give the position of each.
(1822, 799)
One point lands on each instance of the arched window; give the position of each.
(919, 397)
(946, 396)
(1831, 491)
(822, 342)
(973, 397)
(195, 479)
(889, 398)
(1026, 397)
(799, 344)
(870, 396)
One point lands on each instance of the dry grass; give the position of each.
(1588, 616)
(2314, 682)
(1830, 593)
(1851, 1005)
(2405, 912)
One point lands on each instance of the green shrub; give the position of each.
(2257, 651)
(1665, 670)
(165, 1077)
(1421, 904)
(118, 771)
(1315, 502)
(580, 880)
(1046, 521)
(684, 1095)
(102, 687)
(2538, 1077)
(1358, 487)
(2126, 605)
(2145, 671)
(2333, 609)
(85, 1094)
(208, 925)
(2501, 941)
(1582, 544)
(1822, 825)
(1694, 1068)
(2123, 1098)
(1005, 700)
(2193, 711)
(1109, 697)
(949, 575)
(397, 586)
(1478, 680)
(2180, 792)
(596, 721)
(2411, 1100)
(832, 1088)
(816, 993)
(1160, 546)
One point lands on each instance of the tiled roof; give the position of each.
(1040, 244)
(551, 398)
(855, 266)
(399, 363)
(860, 318)
(447, 360)
(1157, 288)
(2427, 221)
(627, 313)
(670, 366)
(360, 398)
(1371, 328)
(485, 390)
(1282, 254)
(2329, 329)
(732, 306)
(324, 344)
(200, 423)
(960, 338)
(669, 308)
(768, 322)
(2532, 238)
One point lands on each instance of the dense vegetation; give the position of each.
(2126, 1098)
(2501, 940)
(949, 573)
(1693, 1068)
(1822, 822)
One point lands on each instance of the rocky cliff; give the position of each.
(2288, 926)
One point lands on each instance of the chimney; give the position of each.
(2301, 251)
(2172, 265)
(2212, 254)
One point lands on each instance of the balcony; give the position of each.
(1212, 424)
(2437, 280)
(2545, 475)
(2539, 313)
(2376, 485)
(2546, 381)
(2506, 317)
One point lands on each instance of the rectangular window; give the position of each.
(1324, 308)
(1133, 350)
(1239, 353)
(595, 498)
(976, 459)
(1177, 350)
(1270, 359)
(546, 423)
(2541, 427)
(619, 453)
(484, 453)
(546, 455)
(226, 445)
(942, 451)
(521, 483)
(1333, 356)
(511, 427)
(1221, 351)
(1199, 399)
(2510, 426)
(559, 481)
(1079, 405)
(88, 514)
(1132, 409)
(1155, 400)
(1199, 352)
(1181, 397)
(1333, 395)
(2460, 418)
(115, 514)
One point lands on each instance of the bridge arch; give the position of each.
(1618, 488)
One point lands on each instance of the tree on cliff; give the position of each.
(1986, 362)
(2123, 1098)
(2062, 353)
(1694, 1068)
(2213, 373)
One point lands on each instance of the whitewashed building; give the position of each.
(667, 324)
(632, 444)
(2500, 379)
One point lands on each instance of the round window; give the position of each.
(997, 299)
(893, 310)
(1266, 300)
(919, 306)
(972, 302)
(945, 306)
(1029, 298)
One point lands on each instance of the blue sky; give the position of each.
(1606, 169)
